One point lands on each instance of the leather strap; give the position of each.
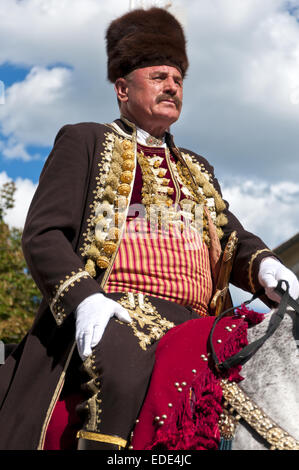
(248, 351)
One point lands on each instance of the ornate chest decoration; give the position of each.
(113, 192)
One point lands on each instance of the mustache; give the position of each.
(166, 96)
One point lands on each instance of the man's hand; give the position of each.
(271, 271)
(92, 316)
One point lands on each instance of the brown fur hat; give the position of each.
(142, 38)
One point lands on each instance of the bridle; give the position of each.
(277, 316)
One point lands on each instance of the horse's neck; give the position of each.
(271, 375)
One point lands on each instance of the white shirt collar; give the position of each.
(144, 138)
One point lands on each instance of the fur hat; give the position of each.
(142, 38)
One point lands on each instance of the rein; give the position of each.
(248, 351)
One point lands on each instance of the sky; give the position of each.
(241, 95)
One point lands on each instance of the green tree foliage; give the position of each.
(19, 296)
(7, 198)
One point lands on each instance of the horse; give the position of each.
(269, 391)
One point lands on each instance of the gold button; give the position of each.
(113, 234)
(124, 189)
(126, 177)
(127, 145)
(103, 262)
(128, 155)
(109, 247)
(128, 165)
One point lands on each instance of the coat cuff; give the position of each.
(254, 265)
(70, 293)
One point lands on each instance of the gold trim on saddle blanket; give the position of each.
(240, 404)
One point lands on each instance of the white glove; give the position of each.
(92, 316)
(270, 272)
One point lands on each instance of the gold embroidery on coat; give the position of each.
(110, 204)
(147, 324)
(205, 193)
(252, 259)
(93, 436)
(93, 405)
(156, 192)
(56, 301)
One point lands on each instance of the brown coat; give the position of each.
(56, 234)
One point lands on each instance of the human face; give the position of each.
(151, 97)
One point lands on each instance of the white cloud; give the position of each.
(61, 42)
(268, 210)
(25, 190)
(242, 89)
(47, 31)
(33, 106)
(16, 150)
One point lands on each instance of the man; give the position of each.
(118, 290)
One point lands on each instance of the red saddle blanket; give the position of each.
(183, 404)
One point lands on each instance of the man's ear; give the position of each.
(121, 89)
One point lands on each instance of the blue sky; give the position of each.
(17, 167)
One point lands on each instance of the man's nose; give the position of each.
(170, 86)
